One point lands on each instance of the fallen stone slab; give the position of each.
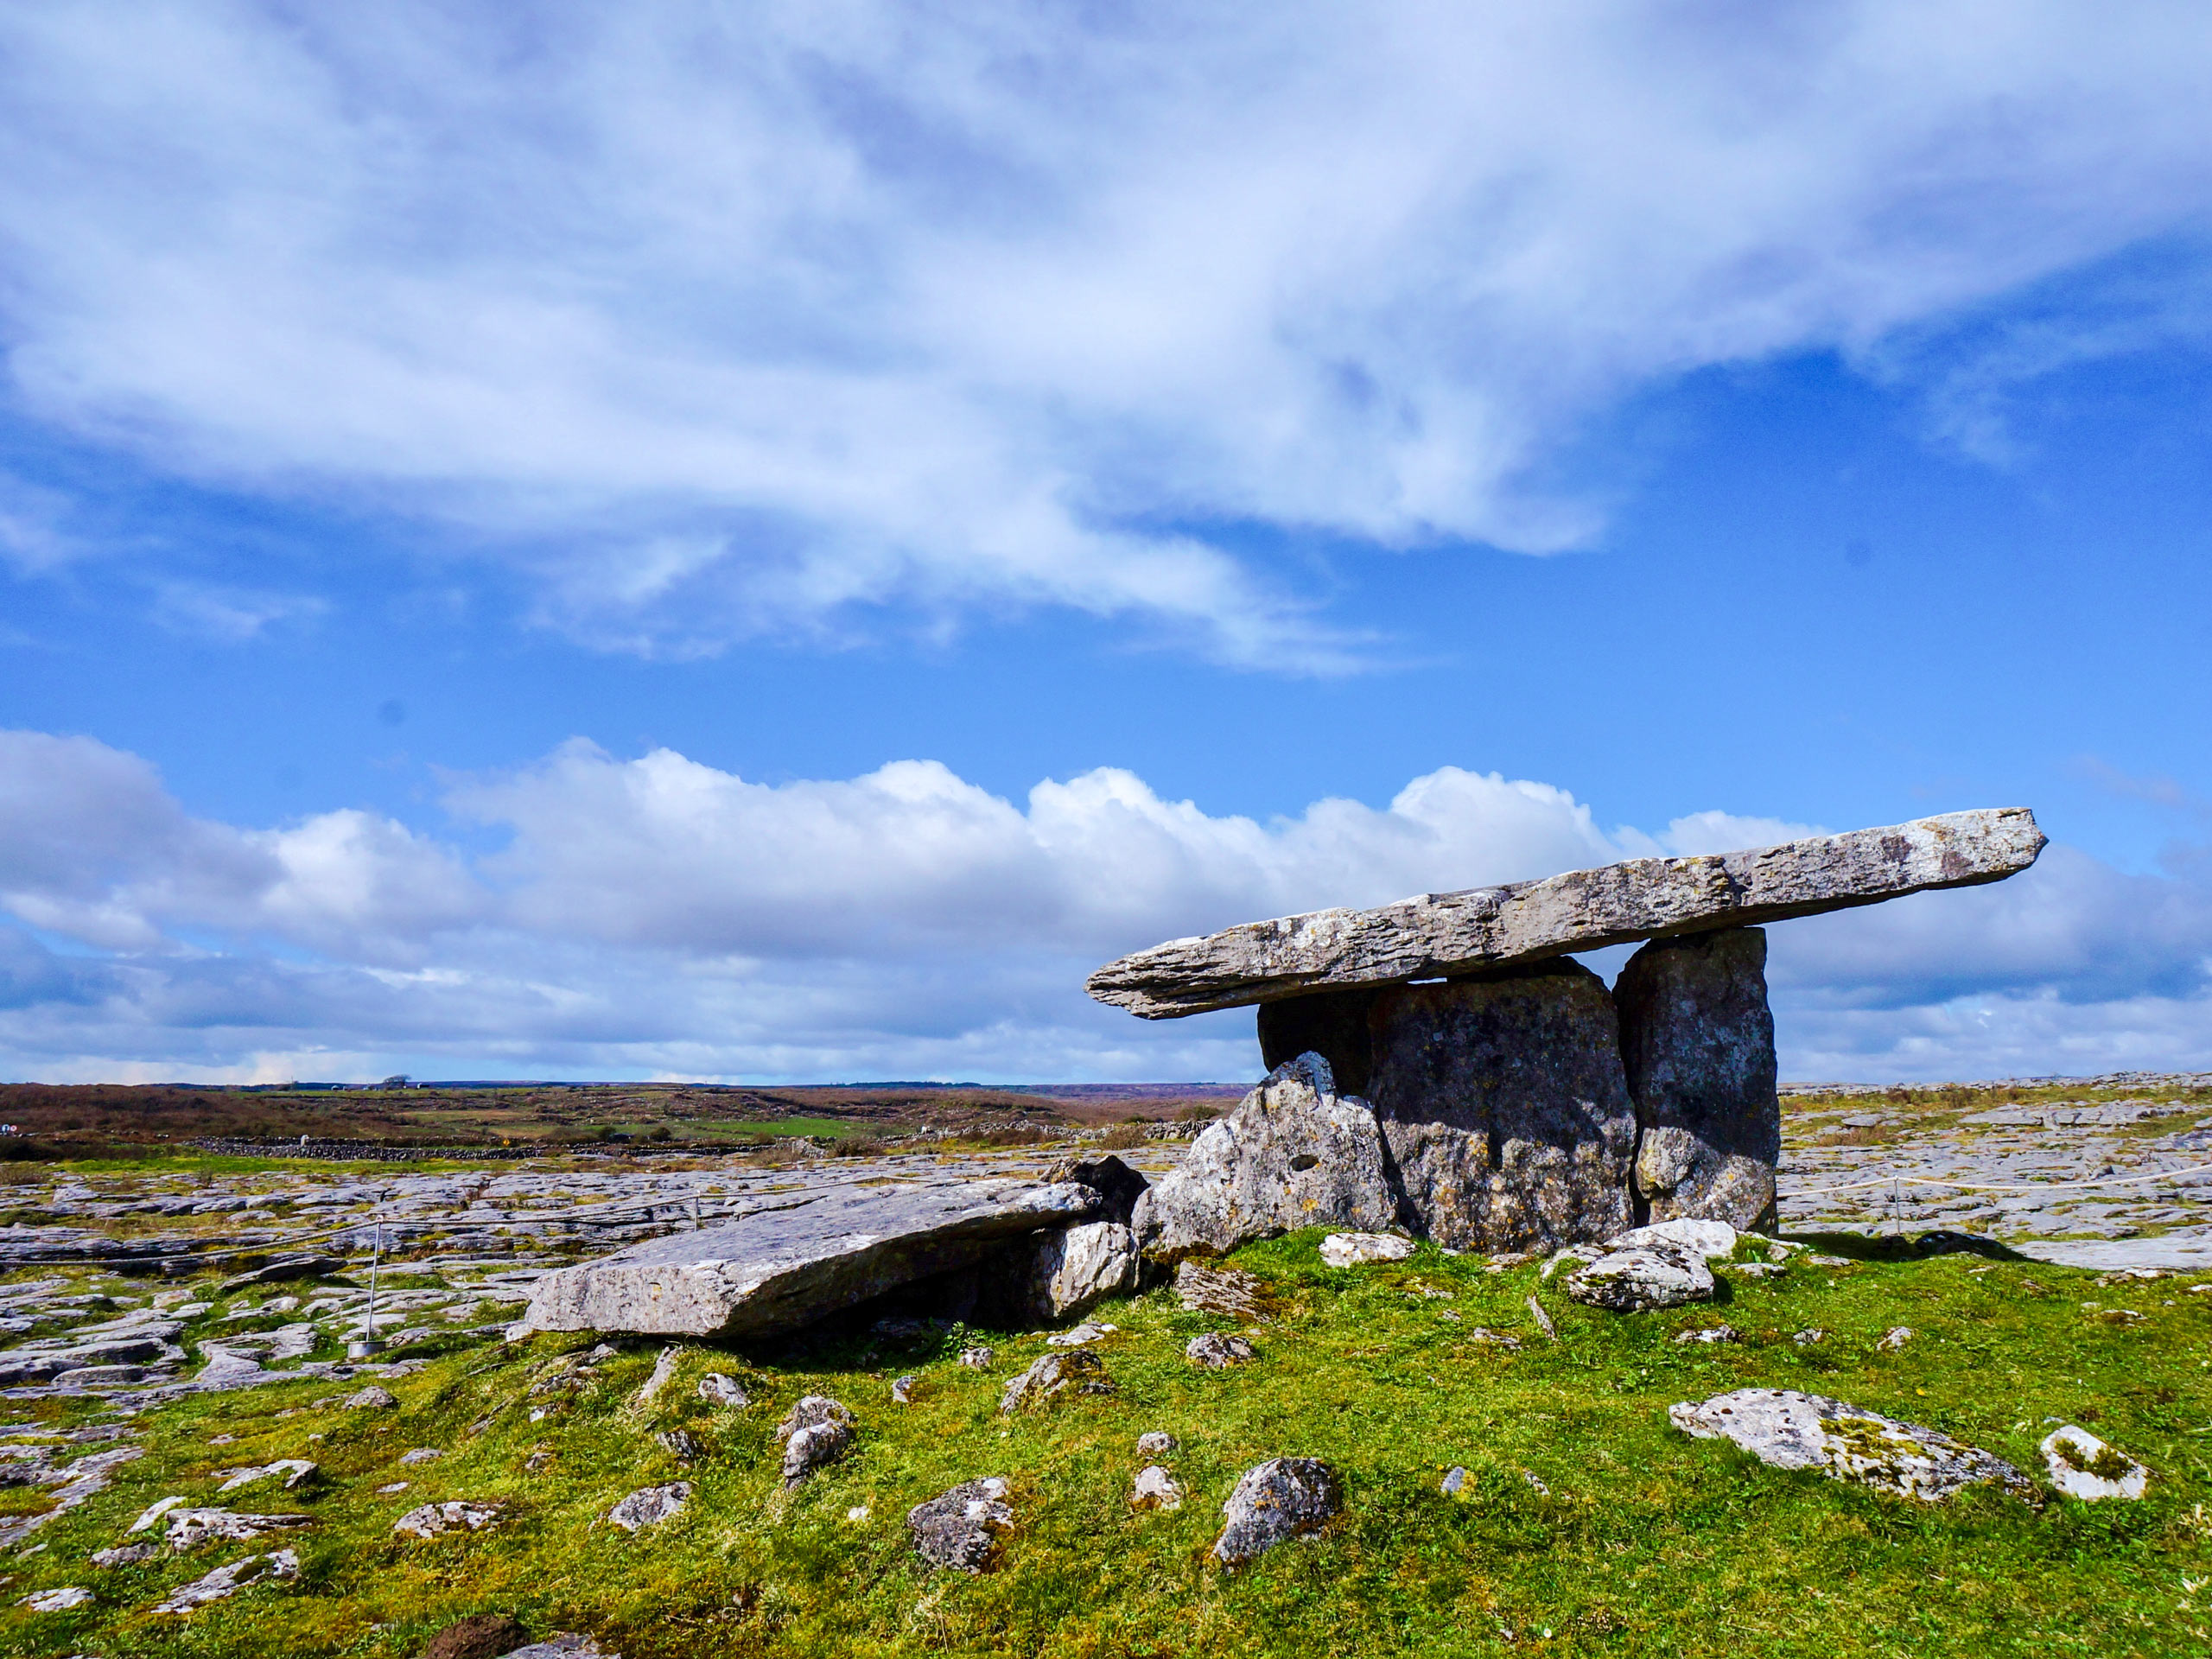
(1643, 1277)
(2081, 1465)
(780, 1268)
(1293, 1154)
(1449, 933)
(958, 1528)
(1697, 1040)
(1809, 1431)
(228, 1580)
(1279, 1500)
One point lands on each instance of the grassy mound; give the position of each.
(1586, 1524)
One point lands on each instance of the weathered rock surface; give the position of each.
(780, 1268)
(1714, 1240)
(1217, 1351)
(431, 1519)
(815, 1432)
(1076, 1370)
(1275, 1502)
(1487, 927)
(1293, 1154)
(1809, 1431)
(228, 1580)
(1357, 1249)
(296, 1471)
(1697, 1040)
(1155, 1443)
(2081, 1465)
(1230, 1293)
(1155, 1489)
(187, 1529)
(1643, 1277)
(1115, 1182)
(650, 1505)
(958, 1528)
(1068, 1270)
(1503, 1108)
(58, 1600)
(717, 1390)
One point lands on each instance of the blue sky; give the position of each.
(562, 549)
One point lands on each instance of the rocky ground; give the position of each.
(193, 1461)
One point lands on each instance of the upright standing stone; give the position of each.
(1698, 1042)
(1504, 1107)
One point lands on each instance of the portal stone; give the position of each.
(1503, 1108)
(1698, 1042)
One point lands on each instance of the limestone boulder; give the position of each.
(1279, 1500)
(1643, 1277)
(1293, 1154)
(1809, 1431)
(1503, 1108)
(1057, 1274)
(784, 1266)
(1697, 1040)
(959, 1528)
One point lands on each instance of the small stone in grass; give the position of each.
(480, 1636)
(58, 1601)
(432, 1519)
(1707, 1334)
(977, 1359)
(650, 1505)
(1156, 1443)
(1216, 1352)
(1155, 1489)
(717, 1390)
(122, 1555)
(1357, 1249)
(902, 1390)
(815, 1432)
(1894, 1339)
(1276, 1501)
(1078, 1371)
(957, 1528)
(1454, 1482)
(421, 1454)
(373, 1398)
(2081, 1465)
(1810, 1337)
(679, 1444)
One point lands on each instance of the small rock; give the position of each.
(1894, 1339)
(297, 1472)
(717, 1390)
(1714, 1240)
(858, 1512)
(1089, 1331)
(815, 1433)
(1454, 1482)
(1356, 1250)
(228, 1580)
(187, 1529)
(664, 1368)
(480, 1636)
(1543, 1320)
(421, 1454)
(679, 1444)
(902, 1390)
(1819, 1261)
(1643, 1277)
(1276, 1501)
(1758, 1269)
(1812, 1337)
(977, 1359)
(397, 1486)
(1216, 1352)
(123, 1555)
(432, 1519)
(2081, 1465)
(58, 1601)
(958, 1529)
(373, 1398)
(1707, 1333)
(1155, 1443)
(1076, 1370)
(1808, 1430)
(650, 1505)
(1155, 1489)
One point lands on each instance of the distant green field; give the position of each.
(1641, 1542)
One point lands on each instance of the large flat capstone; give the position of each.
(1450, 933)
(780, 1268)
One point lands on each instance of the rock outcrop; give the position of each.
(1504, 1108)
(1294, 1153)
(783, 1268)
(1809, 1431)
(1447, 933)
(1697, 1041)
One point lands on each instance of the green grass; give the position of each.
(1647, 1543)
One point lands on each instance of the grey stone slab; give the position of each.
(1503, 1108)
(780, 1268)
(1697, 1040)
(1445, 933)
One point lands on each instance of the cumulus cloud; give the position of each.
(718, 322)
(657, 916)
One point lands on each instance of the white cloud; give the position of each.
(721, 321)
(659, 916)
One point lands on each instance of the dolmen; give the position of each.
(1443, 1066)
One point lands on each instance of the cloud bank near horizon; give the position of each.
(718, 329)
(655, 916)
